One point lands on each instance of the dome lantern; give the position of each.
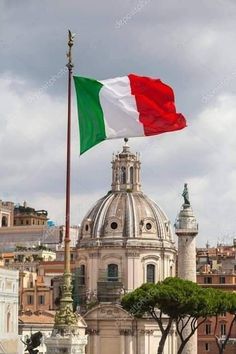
(126, 171)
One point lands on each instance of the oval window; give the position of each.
(114, 225)
(148, 226)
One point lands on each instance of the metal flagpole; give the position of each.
(65, 317)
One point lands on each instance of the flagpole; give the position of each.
(68, 164)
(65, 317)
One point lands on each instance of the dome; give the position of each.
(125, 215)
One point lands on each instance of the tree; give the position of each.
(184, 302)
(144, 300)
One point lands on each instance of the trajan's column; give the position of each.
(186, 228)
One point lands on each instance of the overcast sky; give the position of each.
(188, 44)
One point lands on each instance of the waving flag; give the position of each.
(128, 106)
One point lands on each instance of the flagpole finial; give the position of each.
(71, 37)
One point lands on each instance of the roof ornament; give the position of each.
(126, 141)
(186, 195)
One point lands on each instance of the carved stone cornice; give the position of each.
(126, 332)
(92, 331)
(133, 254)
(146, 331)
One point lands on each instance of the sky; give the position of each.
(188, 44)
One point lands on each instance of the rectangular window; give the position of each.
(30, 299)
(207, 280)
(112, 272)
(41, 300)
(222, 280)
(223, 329)
(82, 275)
(150, 273)
(208, 328)
(207, 347)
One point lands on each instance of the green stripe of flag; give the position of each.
(91, 121)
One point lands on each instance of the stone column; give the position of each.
(94, 340)
(122, 342)
(126, 336)
(186, 228)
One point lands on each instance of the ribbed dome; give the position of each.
(126, 215)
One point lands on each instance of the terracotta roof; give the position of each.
(10, 254)
(46, 317)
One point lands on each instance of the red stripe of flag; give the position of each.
(156, 106)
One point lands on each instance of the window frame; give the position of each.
(152, 278)
(112, 274)
(41, 299)
(208, 328)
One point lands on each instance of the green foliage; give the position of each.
(173, 296)
(182, 300)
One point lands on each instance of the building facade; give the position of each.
(25, 215)
(9, 339)
(216, 268)
(125, 240)
(6, 214)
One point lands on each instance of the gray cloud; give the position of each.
(187, 44)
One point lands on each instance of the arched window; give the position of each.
(123, 175)
(82, 274)
(150, 273)
(112, 272)
(4, 221)
(131, 171)
(8, 322)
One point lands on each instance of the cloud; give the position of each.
(187, 44)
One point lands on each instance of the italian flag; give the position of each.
(123, 107)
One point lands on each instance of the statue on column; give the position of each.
(186, 195)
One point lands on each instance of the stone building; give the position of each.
(216, 268)
(9, 340)
(31, 322)
(25, 215)
(6, 214)
(125, 240)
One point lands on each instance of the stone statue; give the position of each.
(186, 195)
(33, 342)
